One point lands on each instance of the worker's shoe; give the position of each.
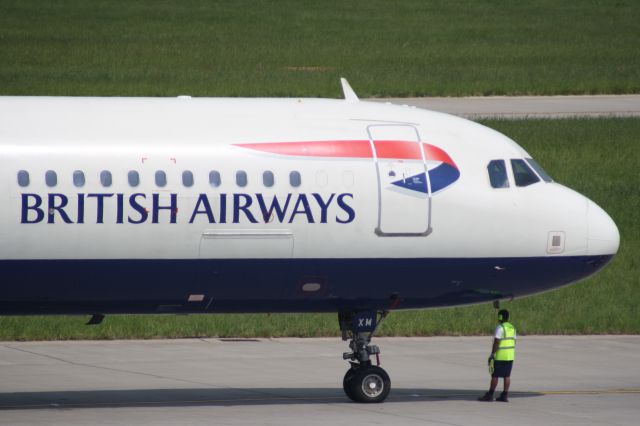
(486, 397)
(502, 397)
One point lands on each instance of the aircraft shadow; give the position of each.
(219, 397)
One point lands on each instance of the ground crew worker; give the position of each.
(502, 356)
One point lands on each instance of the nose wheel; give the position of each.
(363, 382)
(367, 384)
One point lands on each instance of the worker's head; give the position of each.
(503, 315)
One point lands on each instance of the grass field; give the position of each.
(599, 157)
(300, 48)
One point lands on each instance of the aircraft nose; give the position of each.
(603, 236)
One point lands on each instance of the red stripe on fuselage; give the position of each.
(388, 149)
(432, 152)
(401, 150)
(347, 149)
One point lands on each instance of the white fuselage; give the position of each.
(219, 180)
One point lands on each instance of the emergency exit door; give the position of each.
(404, 201)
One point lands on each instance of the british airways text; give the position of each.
(138, 208)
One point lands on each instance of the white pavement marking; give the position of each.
(528, 106)
(556, 380)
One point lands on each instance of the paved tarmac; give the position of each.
(558, 380)
(529, 106)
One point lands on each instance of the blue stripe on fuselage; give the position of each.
(275, 285)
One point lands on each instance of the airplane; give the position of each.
(228, 205)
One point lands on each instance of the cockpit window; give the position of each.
(522, 173)
(545, 177)
(498, 174)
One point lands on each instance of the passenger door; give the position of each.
(404, 201)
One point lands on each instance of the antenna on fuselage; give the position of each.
(349, 94)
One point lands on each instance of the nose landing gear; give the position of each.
(363, 382)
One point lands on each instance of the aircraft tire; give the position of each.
(346, 382)
(369, 385)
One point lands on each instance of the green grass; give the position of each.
(300, 48)
(598, 157)
(414, 47)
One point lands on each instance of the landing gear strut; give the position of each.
(363, 382)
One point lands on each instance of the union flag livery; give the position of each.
(442, 170)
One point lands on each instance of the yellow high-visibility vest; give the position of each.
(507, 345)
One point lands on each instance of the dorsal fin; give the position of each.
(349, 94)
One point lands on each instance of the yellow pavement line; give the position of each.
(591, 392)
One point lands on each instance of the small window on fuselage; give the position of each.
(498, 174)
(133, 177)
(214, 178)
(267, 179)
(241, 178)
(78, 178)
(23, 178)
(187, 178)
(295, 179)
(105, 178)
(51, 178)
(161, 178)
(522, 173)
